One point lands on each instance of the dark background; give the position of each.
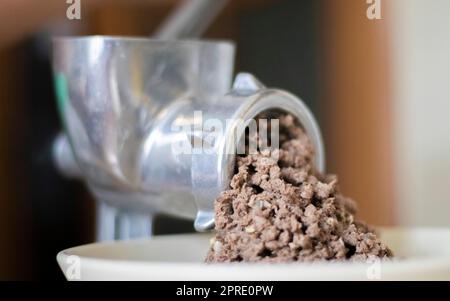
(300, 46)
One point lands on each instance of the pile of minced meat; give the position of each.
(280, 209)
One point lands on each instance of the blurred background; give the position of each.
(379, 89)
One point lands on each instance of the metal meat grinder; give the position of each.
(121, 98)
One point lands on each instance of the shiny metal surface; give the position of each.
(190, 19)
(120, 100)
(63, 157)
(117, 98)
(211, 173)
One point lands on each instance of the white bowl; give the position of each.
(422, 254)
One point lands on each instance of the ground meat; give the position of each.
(280, 209)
